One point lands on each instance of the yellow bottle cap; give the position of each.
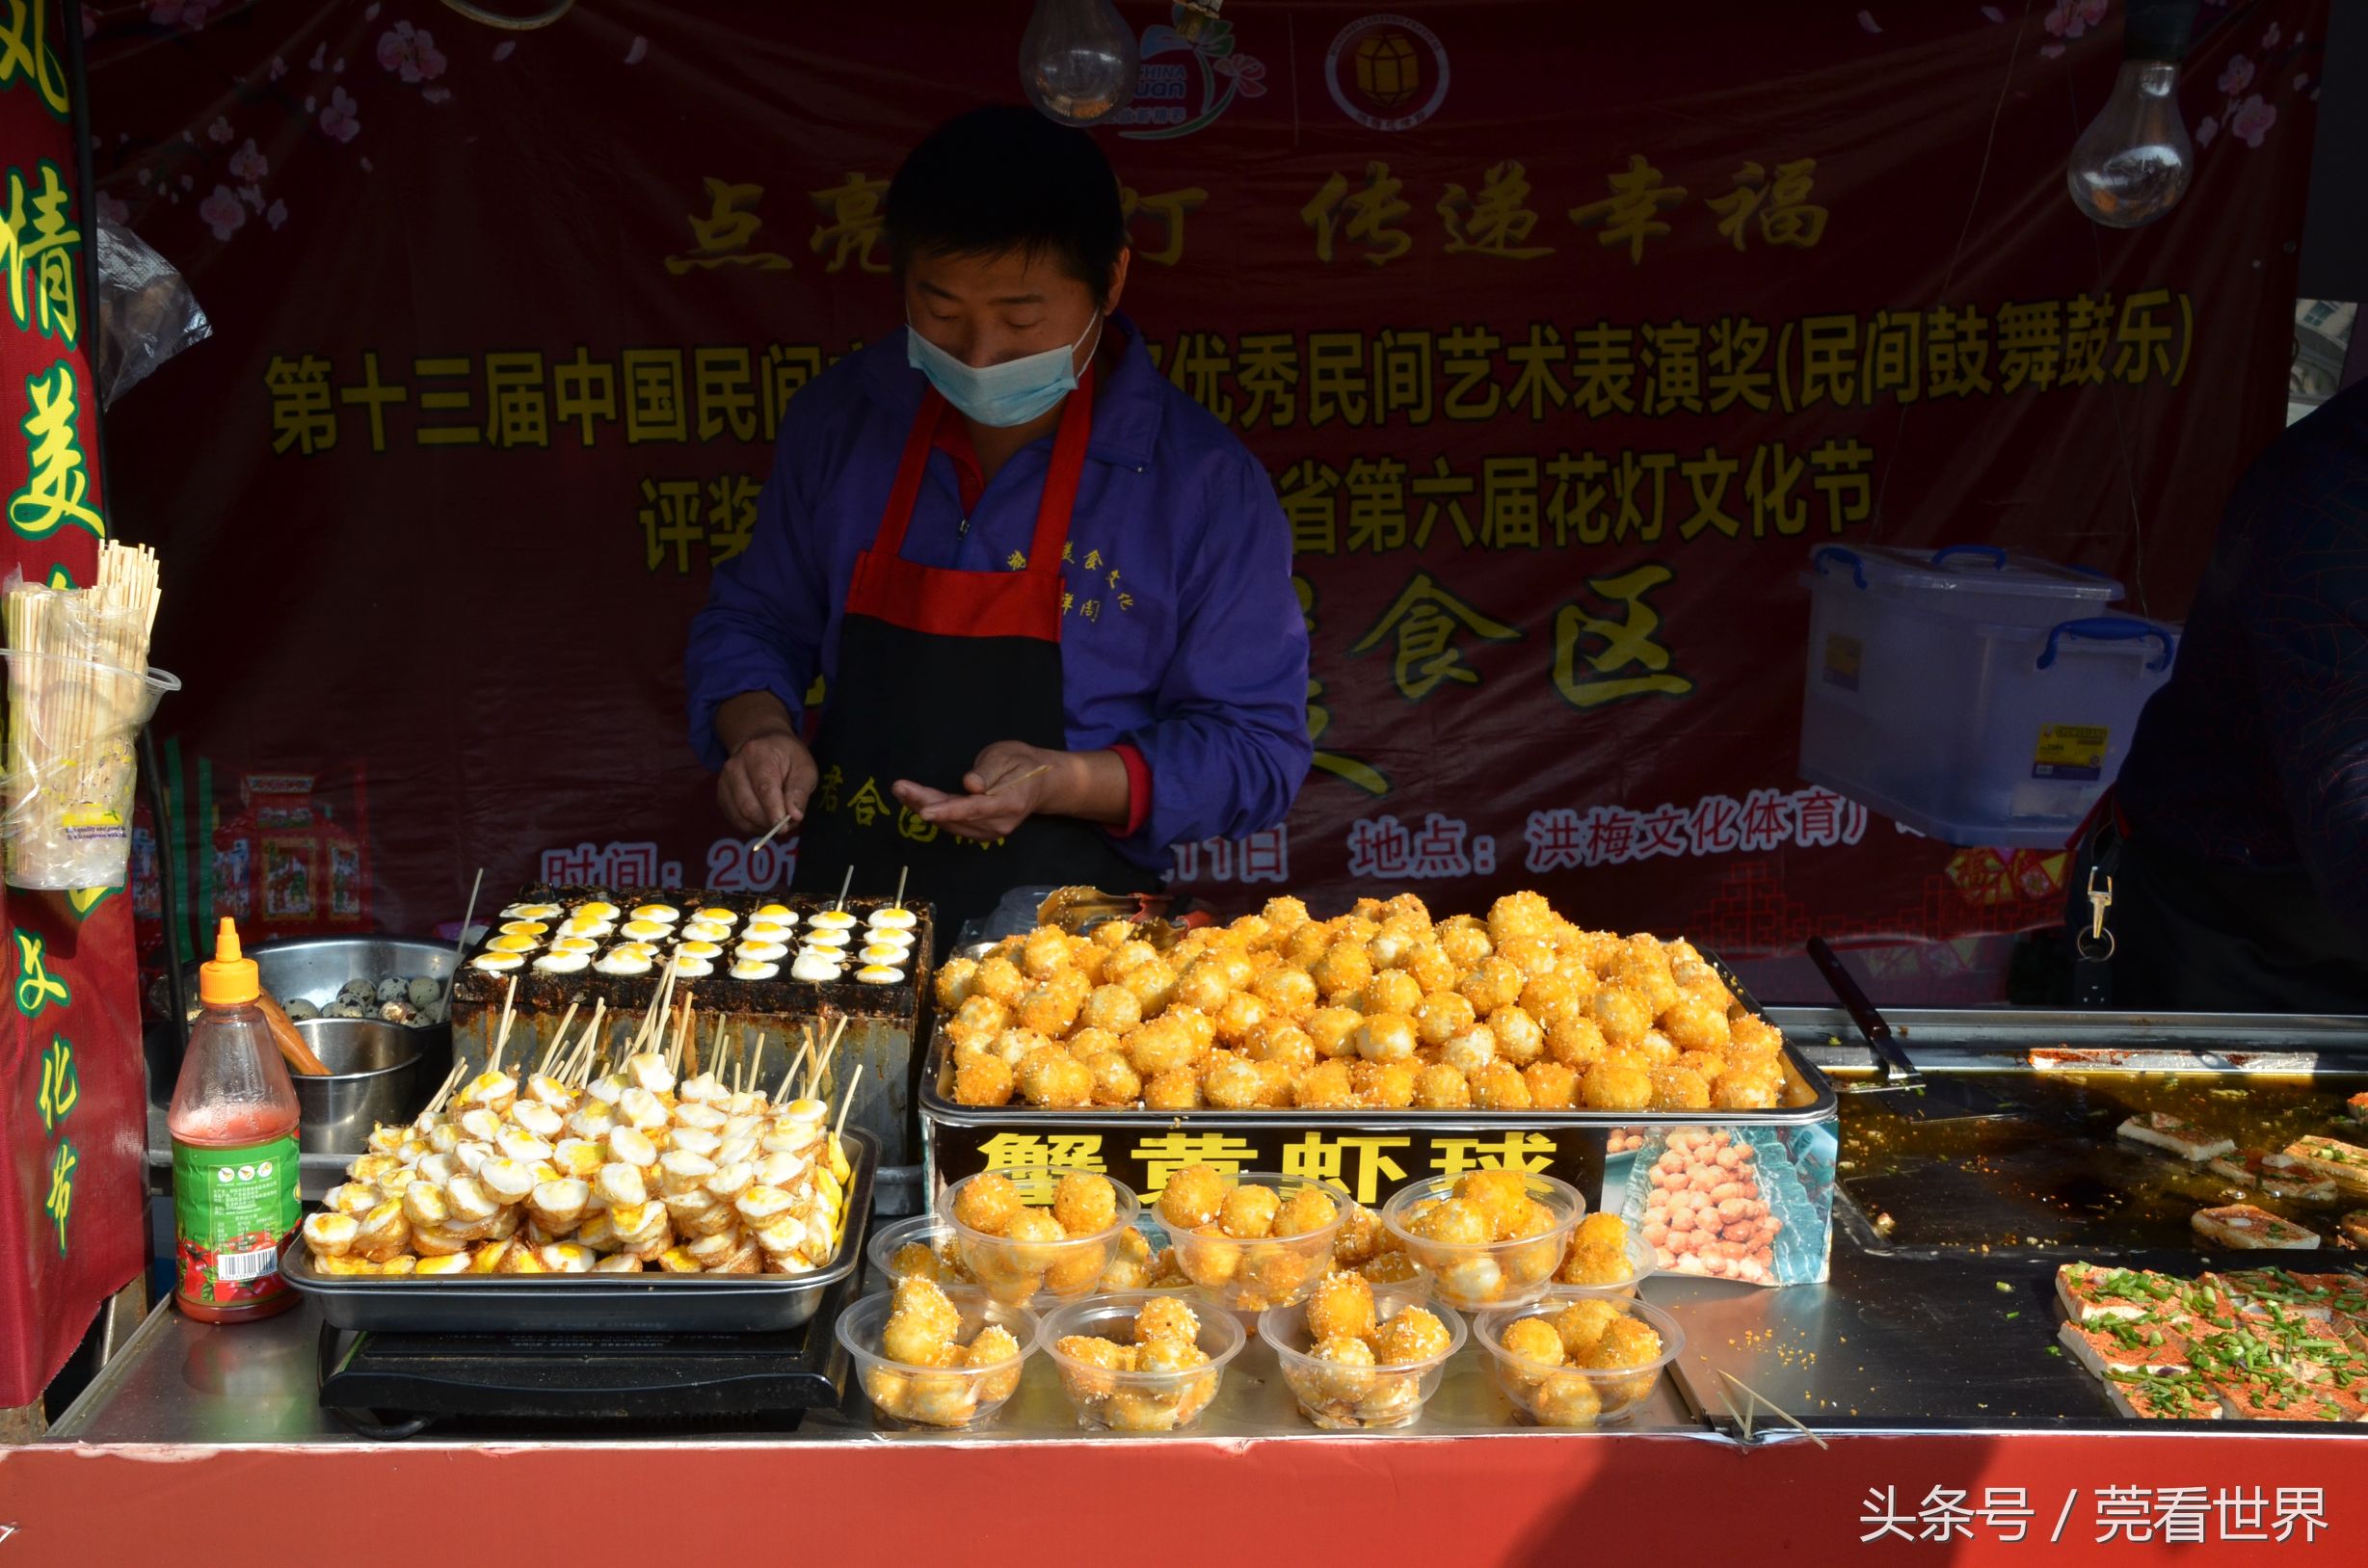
(230, 978)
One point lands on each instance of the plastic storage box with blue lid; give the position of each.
(1979, 697)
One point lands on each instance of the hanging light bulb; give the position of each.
(2133, 163)
(1078, 60)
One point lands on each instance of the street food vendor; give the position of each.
(2237, 835)
(1047, 594)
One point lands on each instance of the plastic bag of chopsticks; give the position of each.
(79, 690)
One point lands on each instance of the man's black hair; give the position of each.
(1000, 179)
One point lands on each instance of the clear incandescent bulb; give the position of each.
(2132, 164)
(1078, 60)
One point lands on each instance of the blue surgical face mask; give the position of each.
(1000, 395)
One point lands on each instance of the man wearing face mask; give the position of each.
(1049, 596)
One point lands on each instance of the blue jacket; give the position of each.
(1182, 638)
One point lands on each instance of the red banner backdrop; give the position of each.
(71, 1175)
(1566, 333)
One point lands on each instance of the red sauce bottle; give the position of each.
(234, 1169)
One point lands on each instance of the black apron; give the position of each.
(934, 666)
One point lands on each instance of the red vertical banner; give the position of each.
(70, 1191)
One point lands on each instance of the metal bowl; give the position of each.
(311, 968)
(374, 1078)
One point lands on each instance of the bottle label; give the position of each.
(234, 1209)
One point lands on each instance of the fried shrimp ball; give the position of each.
(1432, 968)
(1334, 1029)
(1328, 1085)
(1233, 1085)
(954, 978)
(1342, 970)
(1533, 956)
(1499, 1086)
(999, 980)
(1305, 1212)
(1465, 940)
(1055, 1080)
(1306, 944)
(1694, 1024)
(1152, 983)
(1440, 1087)
(1163, 1045)
(1520, 1038)
(1583, 1322)
(1576, 1041)
(1176, 1090)
(1644, 969)
(983, 1081)
(1601, 1230)
(1471, 1050)
(1342, 1306)
(994, 1343)
(1248, 1213)
(1568, 1400)
(1285, 1045)
(1441, 1018)
(1165, 1318)
(922, 1324)
(1384, 1085)
(1625, 1344)
(1520, 915)
(1085, 1203)
(987, 1204)
(1552, 1086)
(1414, 1335)
(1198, 1027)
(1116, 1082)
(914, 1261)
(1396, 938)
(1501, 1196)
(1616, 1083)
(976, 1021)
(1392, 991)
(1204, 985)
(1045, 952)
(1239, 1017)
(1550, 997)
(1679, 1088)
(1193, 1197)
(1111, 1007)
(1130, 1265)
(1533, 1340)
(1287, 989)
(1347, 1371)
(1284, 916)
(1622, 1015)
(1089, 1042)
(1596, 1266)
(1748, 1090)
(1361, 1237)
(1387, 1037)
(1456, 1222)
(1493, 984)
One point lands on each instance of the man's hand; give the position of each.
(1009, 784)
(770, 773)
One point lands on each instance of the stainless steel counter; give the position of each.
(182, 1382)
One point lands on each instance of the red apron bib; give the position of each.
(935, 665)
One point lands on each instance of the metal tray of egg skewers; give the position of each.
(644, 1303)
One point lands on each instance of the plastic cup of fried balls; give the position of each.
(1359, 1358)
(1139, 1361)
(1379, 1009)
(937, 1356)
(1607, 1254)
(1488, 1238)
(924, 1246)
(1030, 1234)
(1578, 1357)
(1252, 1239)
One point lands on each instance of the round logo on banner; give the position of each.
(1387, 72)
